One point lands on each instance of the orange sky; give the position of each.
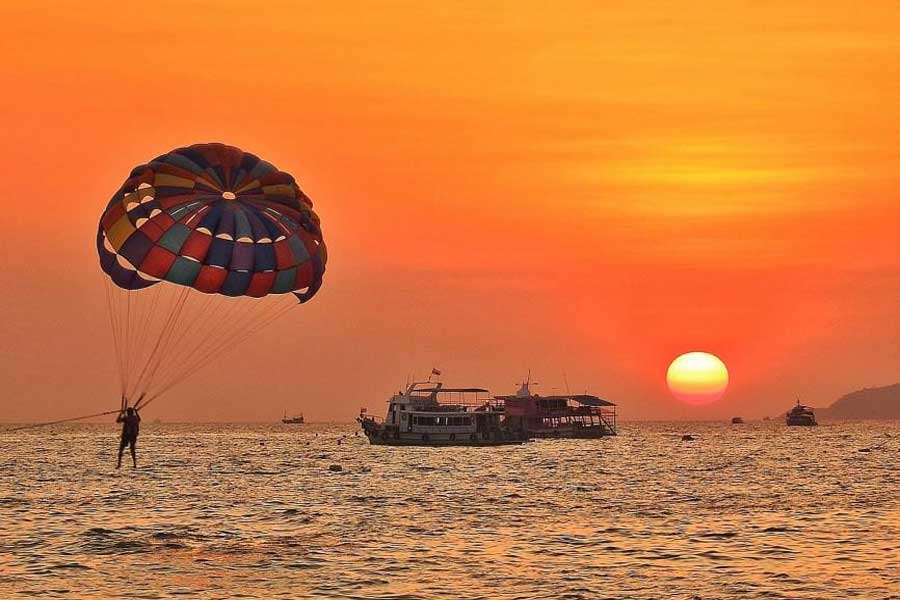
(536, 185)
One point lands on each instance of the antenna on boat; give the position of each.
(566, 380)
(525, 389)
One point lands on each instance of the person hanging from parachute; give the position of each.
(201, 247)
(131, 421)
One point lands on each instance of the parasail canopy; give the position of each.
(200, 247)
(216, 219)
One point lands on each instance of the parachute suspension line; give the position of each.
(204, 348)
(133, 328)
(199, 335)
(197, 315)
(146, 318)
(169, 334)
(120, 329)
(110, 306)
(121, 299)
(197, 364)
(129, 320)
(261, 319)
(188, 334)
(187, 330)
(207, 347)
(129, 326)
(267, 319)
(197, 319)
(155, 354)
(128, 329)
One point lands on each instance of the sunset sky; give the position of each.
(549, 186)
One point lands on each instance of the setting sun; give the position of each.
(697, 378)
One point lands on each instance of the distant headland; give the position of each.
(867, 403)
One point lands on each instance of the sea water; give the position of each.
(753, 511)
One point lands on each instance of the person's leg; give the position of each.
(122, 443)
(134, 452)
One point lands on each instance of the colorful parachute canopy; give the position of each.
(216, 219)
(201, 247)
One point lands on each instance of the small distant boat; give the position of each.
(294, 420)
(801, 416)
(766, 418)
(737, 421)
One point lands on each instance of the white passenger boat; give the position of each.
(428, 414)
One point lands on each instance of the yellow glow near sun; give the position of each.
(697, 378)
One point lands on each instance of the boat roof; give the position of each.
(445, 390)
(584, 399)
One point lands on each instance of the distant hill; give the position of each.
(868, 403)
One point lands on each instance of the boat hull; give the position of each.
(376, 441)
(379, 435)
(572, 433)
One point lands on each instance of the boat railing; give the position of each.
(578, 411)
(598, 416)
(608, 417)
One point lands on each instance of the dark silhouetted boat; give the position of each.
(295, 420)
(737, 421)
(801, 416)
